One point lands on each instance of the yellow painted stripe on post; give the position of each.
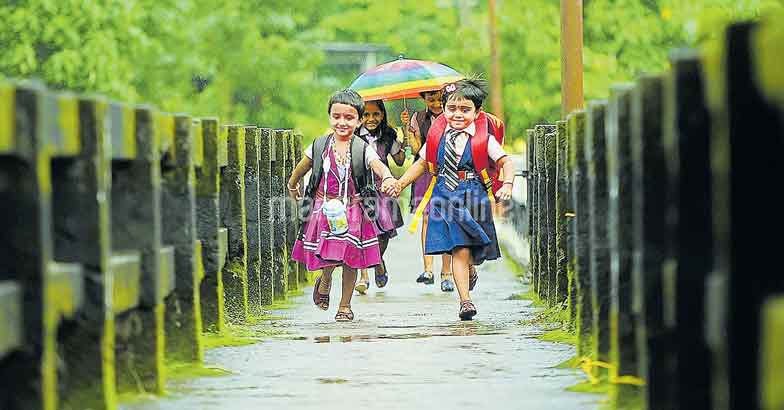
(129, 130)
(166, 134)
(7, 118)
(69, 124)
(198, 144)
(766, 55)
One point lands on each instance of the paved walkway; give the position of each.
(405, 350)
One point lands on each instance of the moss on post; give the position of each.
(533, 248)
(208, 224)
(595, 155)
(136, 226)
(280, 257)
(87, 342)
(562, 219)
(252, 217)
(654, 343)
(235, 280)
(183, 311)
(266, 223)
(772, 354)
(291, 214)
(303, 271)
(623, 346)
(551, 286)
(581, 235)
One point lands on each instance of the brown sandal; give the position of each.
(319, 299)
(344, 316)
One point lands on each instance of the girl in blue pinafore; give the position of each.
(458, 149)
(338, 203)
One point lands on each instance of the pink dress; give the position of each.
(318, 248)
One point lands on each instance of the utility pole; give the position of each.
(571, 56)
(496, 87)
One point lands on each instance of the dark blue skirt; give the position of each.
(462, 218)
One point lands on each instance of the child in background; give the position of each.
(457, 151)
(416, 128)
(338, 231)
(375, 130)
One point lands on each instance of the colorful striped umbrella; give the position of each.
(403, 78)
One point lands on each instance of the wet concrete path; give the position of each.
(405, 350)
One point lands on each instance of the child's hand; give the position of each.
(294, 193)
(405, 118)
(505, 193)
(398, 188)
(388, 187)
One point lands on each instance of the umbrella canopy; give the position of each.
(403, 78)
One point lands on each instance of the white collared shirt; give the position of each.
(373, 141)
(494, 149)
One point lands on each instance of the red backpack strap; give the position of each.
(437, 129)
(479, 152)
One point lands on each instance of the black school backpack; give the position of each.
(359, 174)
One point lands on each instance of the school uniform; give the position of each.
(388, 214)
(461, 212)
(316, 246)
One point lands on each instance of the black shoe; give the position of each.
(426, 277)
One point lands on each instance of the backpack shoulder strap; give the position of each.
(317, 170)
(434, 135)
(358, 166)
(479, 143)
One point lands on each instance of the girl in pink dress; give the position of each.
(338, 203)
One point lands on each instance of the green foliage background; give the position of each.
(255, 61)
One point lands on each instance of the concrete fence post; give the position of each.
(551, 294)
(563, 212)
(253, 216)
(746, 145)
(280, 257)
(543, 260)
(235, 279)
(533, 246)
(623, 347)
(291, 213)
(303, 271)
(689, 258)
(266, 217)
(213, 237)
(183, 307)
(596, 158)
(649, 189)
(140, 283)
(37, 291)
(581, 234)
(82, 236)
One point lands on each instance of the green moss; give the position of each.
(520, 296)
(183, 371)
(235, 335)
(588, 387)
(295, 293)
(559, 336)
(514, 266)
(571, 363)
